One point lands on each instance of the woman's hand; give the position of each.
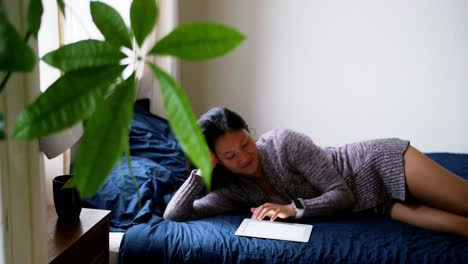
(273, 211)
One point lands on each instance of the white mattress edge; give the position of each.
(115, 238)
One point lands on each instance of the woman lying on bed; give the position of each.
(284, 171)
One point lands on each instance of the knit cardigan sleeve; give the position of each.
(185, 206)
(309, 160)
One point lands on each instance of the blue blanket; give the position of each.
(160, 168)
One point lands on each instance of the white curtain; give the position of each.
(23, 224)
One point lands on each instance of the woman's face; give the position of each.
(237, 151)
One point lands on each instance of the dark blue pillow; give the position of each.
(152, 138)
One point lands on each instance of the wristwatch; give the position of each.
(299, 206)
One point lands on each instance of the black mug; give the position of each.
(67, 200)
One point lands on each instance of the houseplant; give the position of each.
(93, 89)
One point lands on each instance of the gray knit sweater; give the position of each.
(330, 180)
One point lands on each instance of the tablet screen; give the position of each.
(274, 230)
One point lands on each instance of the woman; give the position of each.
(284, 171)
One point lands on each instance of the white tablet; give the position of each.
(274, 230)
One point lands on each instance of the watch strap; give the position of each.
(298, 205)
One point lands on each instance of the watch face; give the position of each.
(298, 204)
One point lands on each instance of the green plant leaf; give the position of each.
(184, 124)
(2, 127)
(84, 54)
(15, 54)
(111, 24)
(35, 11)
(143, 16)
(105, 138)
(71, 98)
(69, 184)
(198, 41)
(61, 5)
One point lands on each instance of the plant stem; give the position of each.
(8, 75)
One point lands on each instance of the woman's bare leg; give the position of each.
(433, 185)
(430, 218)
(441, 196)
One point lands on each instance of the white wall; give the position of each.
(341, 71)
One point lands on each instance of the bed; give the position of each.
(160, 168)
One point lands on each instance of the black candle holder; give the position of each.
(67, 200)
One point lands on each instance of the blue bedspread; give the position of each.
(360, 240)
(160, 168)
(353, 240)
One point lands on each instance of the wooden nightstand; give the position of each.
(86, 241)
